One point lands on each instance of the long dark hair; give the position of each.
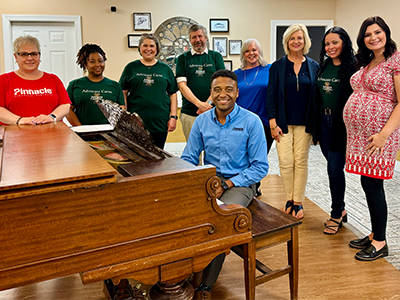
(85, 51)
(347, 58)
(364, 55)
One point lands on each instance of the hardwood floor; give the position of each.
(328, 269)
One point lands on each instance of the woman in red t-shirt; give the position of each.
(28, 95)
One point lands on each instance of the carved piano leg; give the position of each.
(172, 291)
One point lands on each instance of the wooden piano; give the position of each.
(64, 210)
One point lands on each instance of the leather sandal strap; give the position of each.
(334, 221)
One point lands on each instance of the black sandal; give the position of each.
(296, 209)
(289, 205)
(334, 228)
(344, 219)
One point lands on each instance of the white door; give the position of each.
(60, 39)
(57, 47)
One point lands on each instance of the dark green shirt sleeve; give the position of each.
(70, 91)
(219, 62)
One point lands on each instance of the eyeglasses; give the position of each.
(34, 54)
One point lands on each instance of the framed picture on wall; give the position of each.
(235, 46)
(219, 25)
(228, 65)
(220, 45)
(142, 21)
(133, 40)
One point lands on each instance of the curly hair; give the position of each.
(85, 51)
(365, 55)
(347, 58)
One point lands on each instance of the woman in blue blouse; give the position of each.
(253, 76)
(291, 113)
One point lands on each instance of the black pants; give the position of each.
(268, 137)
(159, 138)
(377, 206)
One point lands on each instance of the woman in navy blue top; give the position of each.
(291, 113)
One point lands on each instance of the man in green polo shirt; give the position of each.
(193, 75)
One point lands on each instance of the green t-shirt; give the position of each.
(198, 70)
(148, 93)
(328, 86)
(83, 91)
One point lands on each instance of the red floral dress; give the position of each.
(366, 113)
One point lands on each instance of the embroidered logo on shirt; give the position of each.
(237, 129)
(327, 88)
(96, 97)
(148, 81)
(200, 71)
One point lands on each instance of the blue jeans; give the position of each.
(336, 162)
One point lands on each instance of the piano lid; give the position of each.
(129, 125)
(42, 155)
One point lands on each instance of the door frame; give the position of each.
(7, 32)
(275, 23)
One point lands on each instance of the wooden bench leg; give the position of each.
(249, 259)
(293, 257)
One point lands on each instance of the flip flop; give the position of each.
(289, 205)
(296, 209)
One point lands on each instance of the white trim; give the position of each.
(7, 31)
(275, 23)
(397, 166)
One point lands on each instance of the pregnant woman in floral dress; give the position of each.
(372, 119)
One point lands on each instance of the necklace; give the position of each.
(379, 60)
(253, 78)
(20, 74)
(149, 65)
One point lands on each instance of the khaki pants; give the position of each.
(293, 150)
(187, 123)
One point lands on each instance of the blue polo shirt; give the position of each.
(237, 149)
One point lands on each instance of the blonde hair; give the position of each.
(23, 40)
(288, 34)
(245, 46)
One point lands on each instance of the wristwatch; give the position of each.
(224, 185)
(53, 116)
(174, 117)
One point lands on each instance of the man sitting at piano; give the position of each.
(234, 142)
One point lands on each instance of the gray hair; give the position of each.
(288, 34)
(196, 27)
(24, 40)
(149, 36)
(245, 46)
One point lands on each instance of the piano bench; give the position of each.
(270, 227)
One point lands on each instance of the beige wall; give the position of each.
(250, 18)
(351, 13)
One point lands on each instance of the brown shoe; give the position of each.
(202, 295)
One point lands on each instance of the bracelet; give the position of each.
(174, 117)
(54, 117)
(274, 127)
(19, 119)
